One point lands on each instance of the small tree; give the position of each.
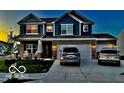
(10, 41)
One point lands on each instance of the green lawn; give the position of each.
(3, 67)
(32, 66)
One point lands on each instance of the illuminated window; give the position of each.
(85, 28)
(67, 29)
(49, 28)
(31, 29)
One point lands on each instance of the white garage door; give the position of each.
(100, 46)
(84, 49)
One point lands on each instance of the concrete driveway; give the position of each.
(88, 72)
(100, 73)
(64, 74)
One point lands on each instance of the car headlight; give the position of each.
(61, 57)
(101, 55)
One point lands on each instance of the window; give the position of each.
(31, 48)
(31, 29)
(49, 28)
(109, 51)
(85, 28)
(70, 49)
(66, 29)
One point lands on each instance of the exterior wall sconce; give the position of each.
(54, 47)
(93, 46)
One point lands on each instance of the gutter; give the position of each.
(66, 39)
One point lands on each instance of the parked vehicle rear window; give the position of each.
(70, 50)
(108, 51)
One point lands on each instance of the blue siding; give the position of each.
(22, 29)
(31, 19)
(66, 20)
(40, 29)
(28, 20)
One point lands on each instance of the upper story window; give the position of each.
(31, 29)
(85, 28)
(66, 29)
(49, 28)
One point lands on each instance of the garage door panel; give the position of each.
(84, 49)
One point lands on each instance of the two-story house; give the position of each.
(70, 29)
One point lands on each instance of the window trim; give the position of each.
(84, 28)
(32, 33)
(67, 30)
(30, 48)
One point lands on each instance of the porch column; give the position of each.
(53, 28)
(43, 27)
(80, 28)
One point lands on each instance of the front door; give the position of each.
(47, 49)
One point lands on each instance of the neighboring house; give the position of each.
(120, 43)
(70, 29)
(3, 47)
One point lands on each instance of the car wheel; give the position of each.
(119, 63)
(99, 62)
(61, 63)
(78, 64)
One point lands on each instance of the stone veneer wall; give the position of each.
(21, 49)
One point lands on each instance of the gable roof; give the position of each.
(80, 17)
(72, 14)
(29, 16)
(77, 16)
(103, 35)
(48, 20)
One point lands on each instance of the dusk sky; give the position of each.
(106, 21)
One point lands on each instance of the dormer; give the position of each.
(31, 25)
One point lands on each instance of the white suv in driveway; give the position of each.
(109, 55)
(70, 55)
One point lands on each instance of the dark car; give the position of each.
(109, 55)
(70, 55)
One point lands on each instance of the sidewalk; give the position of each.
(37, 76)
